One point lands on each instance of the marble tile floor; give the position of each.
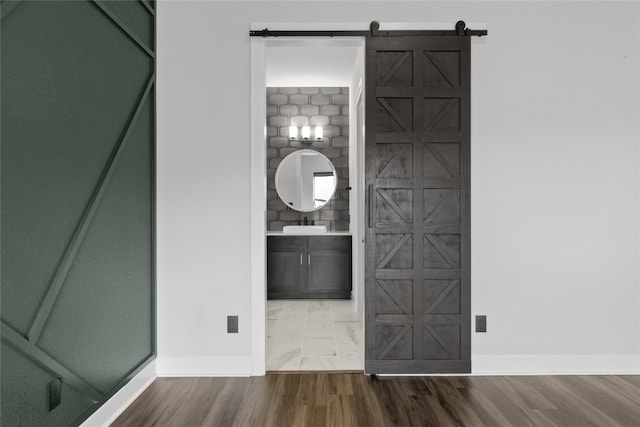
(314, 335)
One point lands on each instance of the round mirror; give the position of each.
(306, 180)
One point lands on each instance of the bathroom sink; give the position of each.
(304, 229)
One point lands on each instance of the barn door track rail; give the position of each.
(374, 31)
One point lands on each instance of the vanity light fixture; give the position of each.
(305, 134)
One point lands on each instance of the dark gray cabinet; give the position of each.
(308, 267)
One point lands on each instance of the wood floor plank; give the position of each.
(518, 411)
(424, 402)
(615, 406)
(585, 401)
(483, 411)
(171, 391)
(454, 401)
(569, 409)
(527, 399)
(346, 399)
(522, 393)
(260, 392)
(486, 407)
(226, 408)
(283, 409)
(369, 407)
(623, 386)
(198, 401)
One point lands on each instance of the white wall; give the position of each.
(555, 183)
(318, 66)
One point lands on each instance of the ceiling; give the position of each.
(310, 66)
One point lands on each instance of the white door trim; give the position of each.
(259, 182)
(258, 205)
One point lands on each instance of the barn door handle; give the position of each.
(371, 206)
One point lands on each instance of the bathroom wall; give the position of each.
(308, 106)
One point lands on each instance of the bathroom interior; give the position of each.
(314, 242)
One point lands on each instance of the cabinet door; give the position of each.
(329, 272)
(286, 274)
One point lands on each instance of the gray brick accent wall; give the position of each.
(313, 106)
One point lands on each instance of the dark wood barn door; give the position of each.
(418, 314)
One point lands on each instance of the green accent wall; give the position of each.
(77, 294)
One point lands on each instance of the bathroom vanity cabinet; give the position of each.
(308, 267)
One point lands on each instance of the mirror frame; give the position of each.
(298, 153)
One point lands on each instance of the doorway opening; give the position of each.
(308, 82)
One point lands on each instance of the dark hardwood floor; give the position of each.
(339, 399)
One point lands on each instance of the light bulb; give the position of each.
(306, 132)
(318, 132)
(293, 132)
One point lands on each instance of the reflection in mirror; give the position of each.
(306, 180)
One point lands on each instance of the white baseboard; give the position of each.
(618, 364)
(113, 407)
(204, 366)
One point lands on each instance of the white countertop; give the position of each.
(328, 233)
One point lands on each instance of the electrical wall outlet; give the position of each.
(232, 324)
(481, 323)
